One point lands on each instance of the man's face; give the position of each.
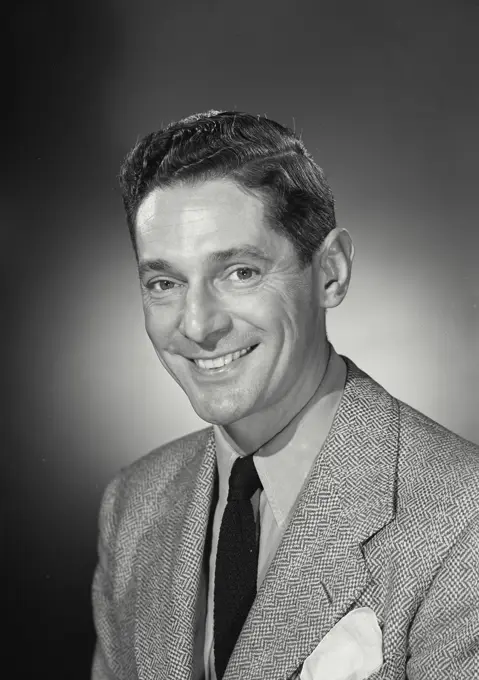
(232, 315)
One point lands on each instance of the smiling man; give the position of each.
(234, 551)
(234, 317)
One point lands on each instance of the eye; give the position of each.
(164, 284)
(244, 274)
(161, 285)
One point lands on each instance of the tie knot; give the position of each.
(244, 480)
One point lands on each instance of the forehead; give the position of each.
(194, 220)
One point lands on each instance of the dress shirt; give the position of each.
(283, 465)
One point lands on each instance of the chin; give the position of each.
(219, 413)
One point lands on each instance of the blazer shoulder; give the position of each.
(436, 467)
(152, 476)
(166, 461)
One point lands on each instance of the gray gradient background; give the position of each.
(386, 97)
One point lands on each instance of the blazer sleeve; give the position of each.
(107, 659)
(444, 637)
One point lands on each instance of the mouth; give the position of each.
(221, 363)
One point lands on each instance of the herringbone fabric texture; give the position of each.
(388, 518)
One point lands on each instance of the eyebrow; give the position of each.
(218, 257)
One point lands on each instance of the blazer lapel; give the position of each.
(319, 571)
(172, 586)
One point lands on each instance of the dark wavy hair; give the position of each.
(261, 156)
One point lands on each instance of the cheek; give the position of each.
(287, 309)
(159, 325)
(270, 306)
(301, 320)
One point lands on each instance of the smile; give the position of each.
(220, 362)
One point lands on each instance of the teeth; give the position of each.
(221, 361)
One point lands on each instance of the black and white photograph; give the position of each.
(241, 331)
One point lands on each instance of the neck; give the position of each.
(253, 431)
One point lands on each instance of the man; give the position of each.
(318, 510)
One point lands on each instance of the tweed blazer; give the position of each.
(388, 518)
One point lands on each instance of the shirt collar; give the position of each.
(285, 461)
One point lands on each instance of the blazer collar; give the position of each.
(319, 570)
(169, 626)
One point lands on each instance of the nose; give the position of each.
(204, 319)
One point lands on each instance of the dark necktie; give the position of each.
(236, 562)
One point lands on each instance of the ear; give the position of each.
(334, 262)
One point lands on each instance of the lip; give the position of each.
(223, 354)
(222, 370)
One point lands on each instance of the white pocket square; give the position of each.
(352, 650)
